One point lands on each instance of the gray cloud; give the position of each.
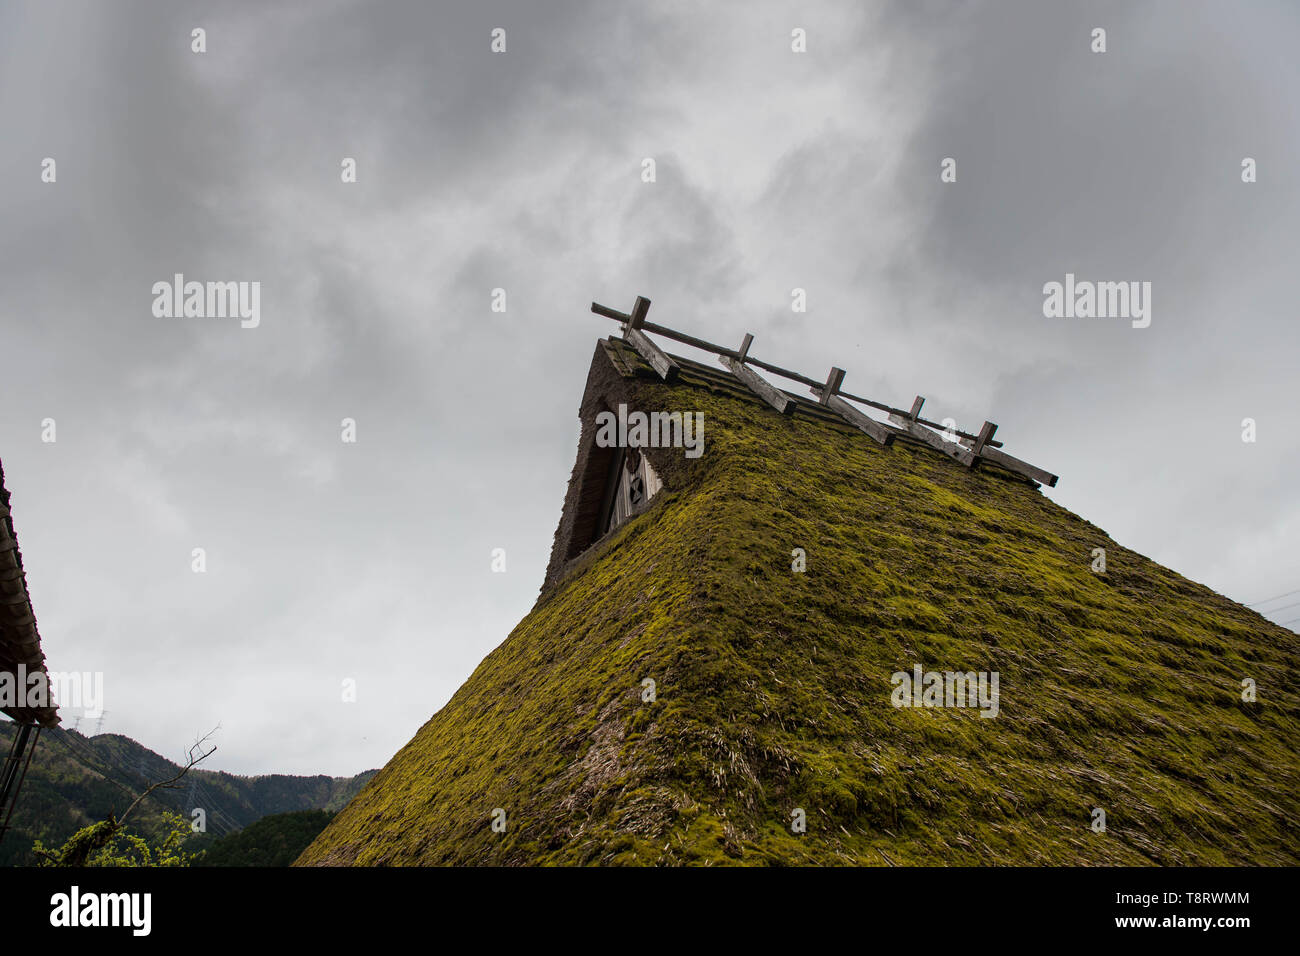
(371, 561)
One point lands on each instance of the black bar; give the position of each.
(1008, 905)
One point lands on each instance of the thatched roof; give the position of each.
(20, 642)
(1119, 691)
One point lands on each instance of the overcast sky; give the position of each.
(522, 170)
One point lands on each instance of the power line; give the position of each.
(80, 755)
(214, 811)
(1274, 598)
(1283, 607)
(106, 770)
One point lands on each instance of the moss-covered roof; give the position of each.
(1119, 690)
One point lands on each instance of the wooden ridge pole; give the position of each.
(793, 376)
(969, 450)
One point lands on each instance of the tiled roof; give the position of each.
(20, 642)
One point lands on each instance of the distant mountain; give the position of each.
(271, 841)
(76, 780)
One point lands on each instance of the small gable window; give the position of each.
(631, 487)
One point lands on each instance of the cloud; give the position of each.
(522, 171)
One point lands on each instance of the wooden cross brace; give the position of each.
(970, 458)
(659, 361)
(969, 450)
(826, 395)
(909, 424)
(782, 402)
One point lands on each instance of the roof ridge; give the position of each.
(631, 364)
(966, 448)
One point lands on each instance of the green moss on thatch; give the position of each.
(1120, 691)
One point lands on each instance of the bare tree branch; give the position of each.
(196, 756)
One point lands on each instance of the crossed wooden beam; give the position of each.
(969, 449)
